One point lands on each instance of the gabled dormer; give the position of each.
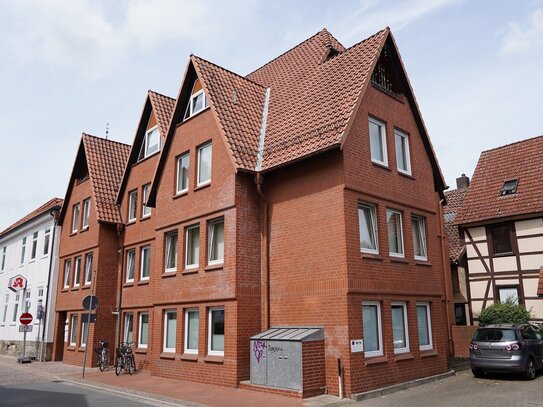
(198, 100)
(151, 143)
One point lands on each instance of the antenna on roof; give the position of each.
(107, 130)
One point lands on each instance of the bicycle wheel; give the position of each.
(101, 359)
(130, 364)
(119, 365)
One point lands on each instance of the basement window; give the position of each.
(509, 187)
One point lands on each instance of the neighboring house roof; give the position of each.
(454, 199)
(540, 287)
(522, 160)
(162, 106)
(105, 160)
(55, 203)
(315, 90)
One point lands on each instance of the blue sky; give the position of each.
(71, 66)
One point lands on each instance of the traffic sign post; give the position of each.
(25, 319)
(90, 303)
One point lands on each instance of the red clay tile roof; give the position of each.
(454, 200)
(46, 207)
(163, 107)
(522, 160)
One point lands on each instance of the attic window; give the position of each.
(198, 100)
(151, 143)
(509, 187)
(331, 53)
(384, 76)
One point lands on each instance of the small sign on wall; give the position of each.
(357, 345)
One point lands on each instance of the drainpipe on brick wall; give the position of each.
(446, 275)
(264, 255)
(120, 257)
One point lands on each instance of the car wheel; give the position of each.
(529, 374)
(477, 372)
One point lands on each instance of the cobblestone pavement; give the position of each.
(12, 372)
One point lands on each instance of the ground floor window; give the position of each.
(373, 337)
(170, 328)
(191, 330)
(508, 294)
(84, 333)
(425, 326)
(216, 331)
(460, 314)
(73, 330)
(400, 332)
(143, 330)
(128, 327)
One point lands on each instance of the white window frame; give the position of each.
(86, 214)
(165, 332)
(143, 248)
(186, 336)
(202, 147)
(145, 145)
(28, 300)
(192, 265)
(430, 346)
(379, 352)
(168, 248)
(397, 135)
(406, 348)
(75, 218)
(73, 329)
(130, 253)
(6, 306)
(190, 108)
(140, 329)
(391, 253)
(145, 210)
(67, 272)
(179, 179)
(23, 250)
(4, 250)
(211, 236)
(383, 137)
(84, 326)
(88, 268)
(373, 212)
(132, 205)
(128, 319)
(34, 248)
(210, 331)
(16, 308)
(77, 270)
(46, 241)
(422, 225)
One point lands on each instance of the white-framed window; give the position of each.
(23, 249)
(4, 250)
(145, 210)
(28, 300)
(373, 330)
(424, 322)
(86, 214)
(170, 331)
(143, 330)
(192, 246)
(5, 314)
(145, 262)
(400, 330)
(46, 241)
(132, 205)
(367, 220)
(215, 345)
(395, 233)
(378, 142)
(170, 254)
(403, 157)
(192, 321)
(204, 164)
(77, 271)
(128, 327)
(215, 241)
(88, 268)
(75, 218)
(130, 265)
(67, 269)
(198, 101)
(34, 249)
(84, 332)
(73, 330)
(150, 144)
(419, 237)
(16, 307)
(182, 182)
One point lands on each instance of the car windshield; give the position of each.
(495, 335)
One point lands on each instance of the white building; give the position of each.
(29, 248)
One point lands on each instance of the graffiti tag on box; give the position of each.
(274, 349)
(258, 349)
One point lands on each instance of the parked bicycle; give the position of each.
(125, 358)
(102, 351)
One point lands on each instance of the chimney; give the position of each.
(462, 182)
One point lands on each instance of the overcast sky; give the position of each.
(71, 66)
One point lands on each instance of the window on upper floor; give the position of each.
(5, 314)
(28, 300)
(130, 265)
(192, 246)
(378, 142)
(4, 250)
(198, 100)
(145, 262)
(395, 233)
(75, 218)
(400, 332)
(132, 205)
(88, 268)
(182, 182)
(403, 158)
(145, 210)
(204, 164)
(67, 269)
(502, 238)
(77, 271)
(23, 250)
(509, 187)
(170, 254)
(46, 241)
(34, 248)
(150, 144)
(419, 237)
(215, 236)
(86, 214)
(367, 222)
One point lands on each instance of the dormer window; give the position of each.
(198, 100)
(151, 143)
(509, 187)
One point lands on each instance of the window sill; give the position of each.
(406, 175)
(65, 290)
(383, 166)
(180, 194)
(143, 282)
(214, 359)
(423, 263)
(145, 218)
(189, 356)
(428, 353)
(86, 287)
(213, 267)
(194, 115)
(371, 256)
(73, 233)
(508, 254)
(81, 349)
(403, 356)
(131, 222)
(32, 260)
(202, 186)
(167, 274)
(84, 230)
(398, 260)
(375, 360)
(129, 284)
(141, 351)
(74, 288)
(167, 355)
(146, 158)
(71, 348)
(190, 271)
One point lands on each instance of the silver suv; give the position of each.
(507, 348)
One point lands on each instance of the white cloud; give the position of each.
(520, 39)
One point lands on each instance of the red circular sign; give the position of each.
(26, 318)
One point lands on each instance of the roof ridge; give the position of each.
(160, 94)
(105, 139)
(511, 144)
(367, 39)
(229, 71)
(40, 210)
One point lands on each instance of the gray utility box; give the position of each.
(276, 356)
